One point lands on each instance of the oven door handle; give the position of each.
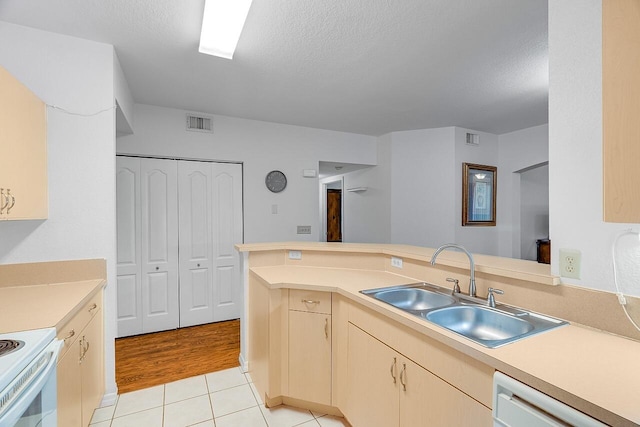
(25, 393)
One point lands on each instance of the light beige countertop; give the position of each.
(44, 305)
(593, 371)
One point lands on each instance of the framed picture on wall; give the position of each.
(479, 194)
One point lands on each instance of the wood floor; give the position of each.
(152, 359)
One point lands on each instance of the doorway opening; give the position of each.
(534, 210)
(332, 210)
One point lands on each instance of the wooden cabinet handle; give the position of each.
(403, 373)
(392, 369)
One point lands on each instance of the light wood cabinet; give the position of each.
(621, 109)
(81, 366)
(23, 152)
(310, 347)
(387, 389)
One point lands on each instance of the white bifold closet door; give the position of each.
(210, 212)
(177, 224)
(147, 229)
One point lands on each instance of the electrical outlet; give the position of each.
(396, 262)
(570, 263)
(304, 229)
(295, 255)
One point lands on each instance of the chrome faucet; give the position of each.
(472, 280)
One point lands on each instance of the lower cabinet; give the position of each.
(81, 366)
(387, 389)
(310, 356)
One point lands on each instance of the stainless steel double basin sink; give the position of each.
(468, 317)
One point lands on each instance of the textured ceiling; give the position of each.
(363, 66)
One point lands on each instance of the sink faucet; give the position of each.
(472, 281)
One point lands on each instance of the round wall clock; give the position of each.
(275, 181)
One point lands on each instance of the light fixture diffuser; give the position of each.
(222, 25)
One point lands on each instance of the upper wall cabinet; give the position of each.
(23, 151)
(621, 109)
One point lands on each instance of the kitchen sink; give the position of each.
(415, 297)
(480, 323)
(469, 317)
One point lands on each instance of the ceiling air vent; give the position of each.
(199, 123)
(473, 139)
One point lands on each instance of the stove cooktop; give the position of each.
(22, 347)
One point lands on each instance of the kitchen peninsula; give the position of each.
(588, 364)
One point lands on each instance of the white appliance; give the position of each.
(517, 405)
(28, 378)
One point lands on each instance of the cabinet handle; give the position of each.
(81, 348)
(4, 202)
(326, 328)
(402, 375)
(71, 334)
(392, 369)
(93, 307)
(13, 201)
(310, 301)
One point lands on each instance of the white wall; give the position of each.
(261, 147)
(575, 141)
(483, 240)
(367, 214)
(422, 187)
(76, 75)
(517, 150)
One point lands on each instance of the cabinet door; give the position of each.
(194, 201)
(129, 242)
(425, 399)
(621, 109)
(23, 156)
(159, 200)
(372, 385)
(310, 357)
(92, 368)
(69, 388)
(226, 179)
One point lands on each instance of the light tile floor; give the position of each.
(220, 399)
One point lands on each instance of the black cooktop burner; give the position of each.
(7, 346)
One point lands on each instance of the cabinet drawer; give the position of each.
(71, 331)
(311, 301)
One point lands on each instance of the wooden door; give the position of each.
(159, 212)
(334, 215)
(372, 381)
(195, 240)
(227, 229)
(129, 242)
(310, 356)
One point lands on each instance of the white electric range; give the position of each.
(28, 378)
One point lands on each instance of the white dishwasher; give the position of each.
(517, 405)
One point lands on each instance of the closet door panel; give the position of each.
(196, 293)
(227, 231)
(128, 233)
(159, 245)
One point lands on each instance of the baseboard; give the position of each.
(109, 399)
(244, 364)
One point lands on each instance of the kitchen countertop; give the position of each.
(44, 305)
(593, 371)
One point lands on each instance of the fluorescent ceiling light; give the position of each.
(221, 26)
